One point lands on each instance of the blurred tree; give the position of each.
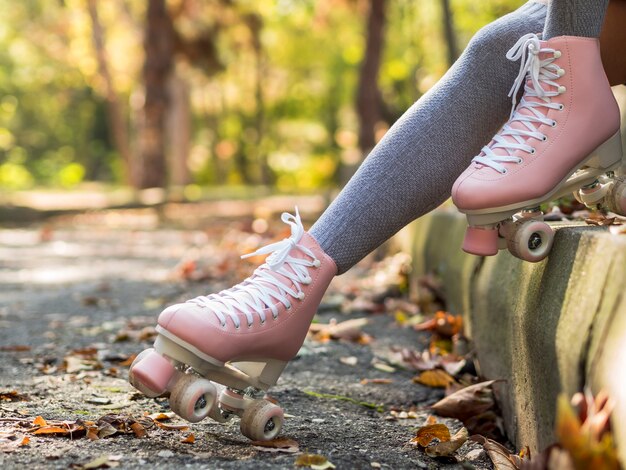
(368, 98)
(115, 113)
(159, 62)
(449, 32)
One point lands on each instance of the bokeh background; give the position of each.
(193, 95)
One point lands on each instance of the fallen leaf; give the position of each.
(161, 416)
(190, 439)
(443, 323)
(15, 348)
(51, 430)
(39, 421)
(501, 457)
(435, 378)
(376, 381)
(349, 330)
(172, 427)
(446, 448)
(24, 442)
(140, 431)
(105, 461)
(426, 434)
(349, 361)
(467, 402)
(314, 461)
(281, 444)
(13, 395)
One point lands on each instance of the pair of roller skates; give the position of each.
(216, 355)
(562, 138)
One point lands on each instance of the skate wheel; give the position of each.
(530, 240)
(615, 200)
(192, 398)
(262, 421)
(150, 373)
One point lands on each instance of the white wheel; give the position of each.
(530, 240)
(615, 199)
(192, 398)
(262, 421)
(137, 383)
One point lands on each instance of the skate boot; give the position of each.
(562, 137)
(217, 354)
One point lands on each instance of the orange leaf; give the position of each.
(435, 378)
(39, 421)
(190, 439)
(51, 430)
(376, 381)
(139, 430)
(431, 420)
(425, 435)
(172, 427)
(24, 442)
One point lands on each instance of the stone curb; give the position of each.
(546, 328)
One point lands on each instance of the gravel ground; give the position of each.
(78, 287)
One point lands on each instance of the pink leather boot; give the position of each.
(561, 137)
(241, 338)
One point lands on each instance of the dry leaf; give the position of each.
(426, 434)
(443, 323)
(51, 430)
(499, 455)
(444, 449)
(24, 442)
(281, 444)
(467, 402)
(172, 427)
(435, 378)
(39, 421)
(314, 461)
(349, 330)
(161, 416)
(376, 381)
(13, 395)
(190, 439)
(15, 348)
(139, 430)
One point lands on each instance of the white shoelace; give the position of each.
(534, 72)
(263, 289)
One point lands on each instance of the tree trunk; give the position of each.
(368, 102)
(179, 131)
(159, 60)
(115, 115)
(449, 32)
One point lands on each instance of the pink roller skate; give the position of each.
(216, 354)
(562, 137)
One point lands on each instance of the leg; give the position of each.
(581, 18)
(412, 169)
(562, 138)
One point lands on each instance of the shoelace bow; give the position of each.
(534, 73)
(262, 290)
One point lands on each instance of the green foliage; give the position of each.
(287, 105)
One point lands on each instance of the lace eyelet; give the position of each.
(562, 89)
(561, 107)
(250, 324)
(307, 281)
(533, 151)
(288, 307)
(237, 327)
(519, 161)
(553, 124)
(557, 54)
(301, 296)
(316, 263)
(263, 322)
(504, 172)
(544, 138)
(561, 72)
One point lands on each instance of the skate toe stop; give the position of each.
(481, 241)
